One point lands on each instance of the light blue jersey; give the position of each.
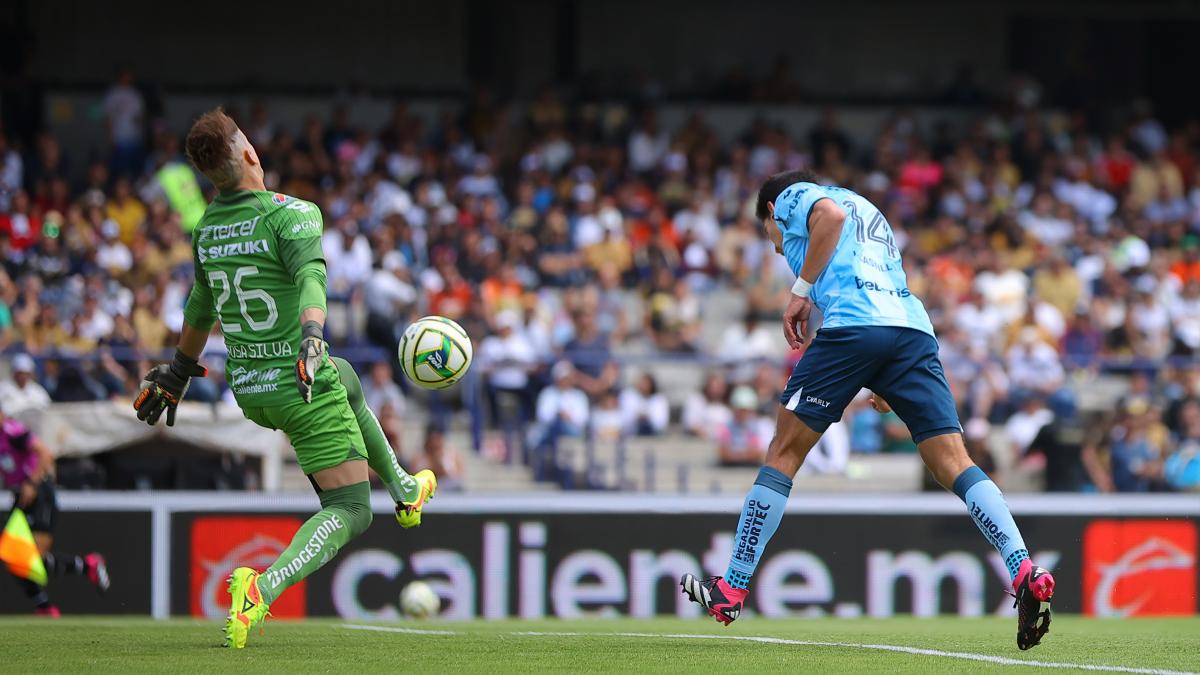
(864, 284)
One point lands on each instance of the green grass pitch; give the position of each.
(942, 645)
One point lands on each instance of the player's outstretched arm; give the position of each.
(824, 230)
(165, 385)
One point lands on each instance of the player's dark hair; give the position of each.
(771, 188)
(209, 147)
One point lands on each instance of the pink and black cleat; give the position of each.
(723, 602)
(1032, 590)
(97, 571)
(49, 611)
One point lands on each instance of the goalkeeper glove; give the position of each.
(312, 355)
(164, 386)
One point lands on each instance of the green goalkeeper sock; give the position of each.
(345, 513)
(380, 456)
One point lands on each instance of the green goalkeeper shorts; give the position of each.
(325, 432)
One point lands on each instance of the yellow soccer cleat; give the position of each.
(409, 515)
(246, 608)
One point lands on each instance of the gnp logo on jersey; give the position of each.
(1139, 568)
(221, 543)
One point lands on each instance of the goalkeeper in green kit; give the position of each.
(261, 273)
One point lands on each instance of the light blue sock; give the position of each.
(760, 517)
(986, 506)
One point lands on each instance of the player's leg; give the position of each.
(409, 492)
(915, 385)
(36, 593)
(823, 383)
(330, 450)
(345, 513)
(42, 515)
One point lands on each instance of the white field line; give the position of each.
(966, 656)
(397, 629)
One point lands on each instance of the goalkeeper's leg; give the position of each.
(345, 513)
(380, 456)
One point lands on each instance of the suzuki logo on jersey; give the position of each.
(1139, 568)
(864, 285)
(236, 248)
(231, 231)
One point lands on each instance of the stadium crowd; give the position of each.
(1047, 247)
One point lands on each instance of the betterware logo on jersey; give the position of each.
(221, 543)
(1139, 568)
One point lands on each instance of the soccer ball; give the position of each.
(435, 352)
(418, 601)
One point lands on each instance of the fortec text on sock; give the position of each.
(990, 529)
(750, 531)
(310, 551)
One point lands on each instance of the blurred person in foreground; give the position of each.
(260, 271)
(27, 469)
(875, 334)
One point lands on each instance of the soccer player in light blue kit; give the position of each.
(875, 334)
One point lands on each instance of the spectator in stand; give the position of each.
(1033, 365)
(22, 396)
(562, 407)
(1136, 447)
(506, 360)
(748, 340)
(20, 225)
(1148, 324)
(706, 411)
(12, 172)
(644, 410)
(1082, 343)
(1025, 424)
(380, 389)
(124, 108)
(606, 420)
(673, 314)
(126, 210)
(1181, 470)
(1187, 268)
(390, 298)
(443, 459)
(347, 255)
(1184, 312)
(590, 354)
(1002, 287)
(1058, 284)
(742, 441)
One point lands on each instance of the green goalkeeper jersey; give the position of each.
(252, 251)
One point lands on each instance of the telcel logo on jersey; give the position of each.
(1139, 568)
(864, 285)
(221, 543)
(231, 231)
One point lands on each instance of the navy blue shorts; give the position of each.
(899, 364)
